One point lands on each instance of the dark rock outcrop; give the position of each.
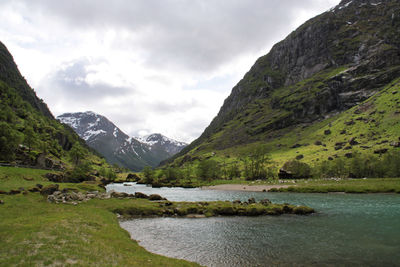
(328, 65)
(48, 190)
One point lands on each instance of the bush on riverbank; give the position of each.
(360, 166)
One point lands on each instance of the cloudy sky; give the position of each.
(148, 65)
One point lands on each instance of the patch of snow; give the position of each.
(376, 4)
(71, 121)
(90, 133)
(115, 132)
(346, 5)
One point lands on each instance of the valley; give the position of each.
(300, 166)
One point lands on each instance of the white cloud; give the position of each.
(149, 66)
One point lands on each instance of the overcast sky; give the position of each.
(148, 65)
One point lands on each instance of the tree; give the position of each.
(148, 173)
(77, 153)
(255, 162)
(30, 137)
(9, 141)
(233, 170)
(208, 169)
(173, 174)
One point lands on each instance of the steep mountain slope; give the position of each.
(330, 64)
(117, 147)
(10, 74)
(29, 135)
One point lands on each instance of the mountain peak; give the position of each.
(116, 146)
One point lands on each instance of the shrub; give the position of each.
(208, 169)
(297, 169)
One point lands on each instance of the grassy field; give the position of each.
(370, 185)
(14, 178)
(34, 232)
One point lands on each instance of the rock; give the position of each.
(287, 209)
(39, 186)
(338, 147)
(353, 141)
(51, 198)
(395, 144)
(295, 146)
(55, 177)
(251, 200)
(298, 157)
(330, 158)
(14, 192)
(265, 202)
(283, 174)
(348, 123)
(381, 151)
(348, 155)
(141, 195)
(347, 148)
(34, 189)
(48, 190)
(127, 185)
(132, 177)
(1, 202)
(327, 132)
(154, 197)
(343, 132)
(237, 201)
(90, 195)
(2, 192)
(119, 195)
(318, 143)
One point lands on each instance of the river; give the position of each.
(348, 229)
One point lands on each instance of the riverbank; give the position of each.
(35, 232)
(244, 187)
(370, 185)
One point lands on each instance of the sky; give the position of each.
(150, 66)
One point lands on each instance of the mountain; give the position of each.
(29, 134)
(117, 147)
(326, 78)
(10, 74)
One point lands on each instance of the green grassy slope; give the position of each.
(374, 124)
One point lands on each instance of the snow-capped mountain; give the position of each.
(116, 146)
(158, 141)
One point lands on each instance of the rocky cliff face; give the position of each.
(117, 147)
(329, 64)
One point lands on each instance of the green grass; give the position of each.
(376, 120)
(15, 177)
(36, 233)
(370, 185)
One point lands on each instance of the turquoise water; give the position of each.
(348, 230)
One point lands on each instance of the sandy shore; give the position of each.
(243, 187)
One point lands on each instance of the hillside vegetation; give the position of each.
(322, 102)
